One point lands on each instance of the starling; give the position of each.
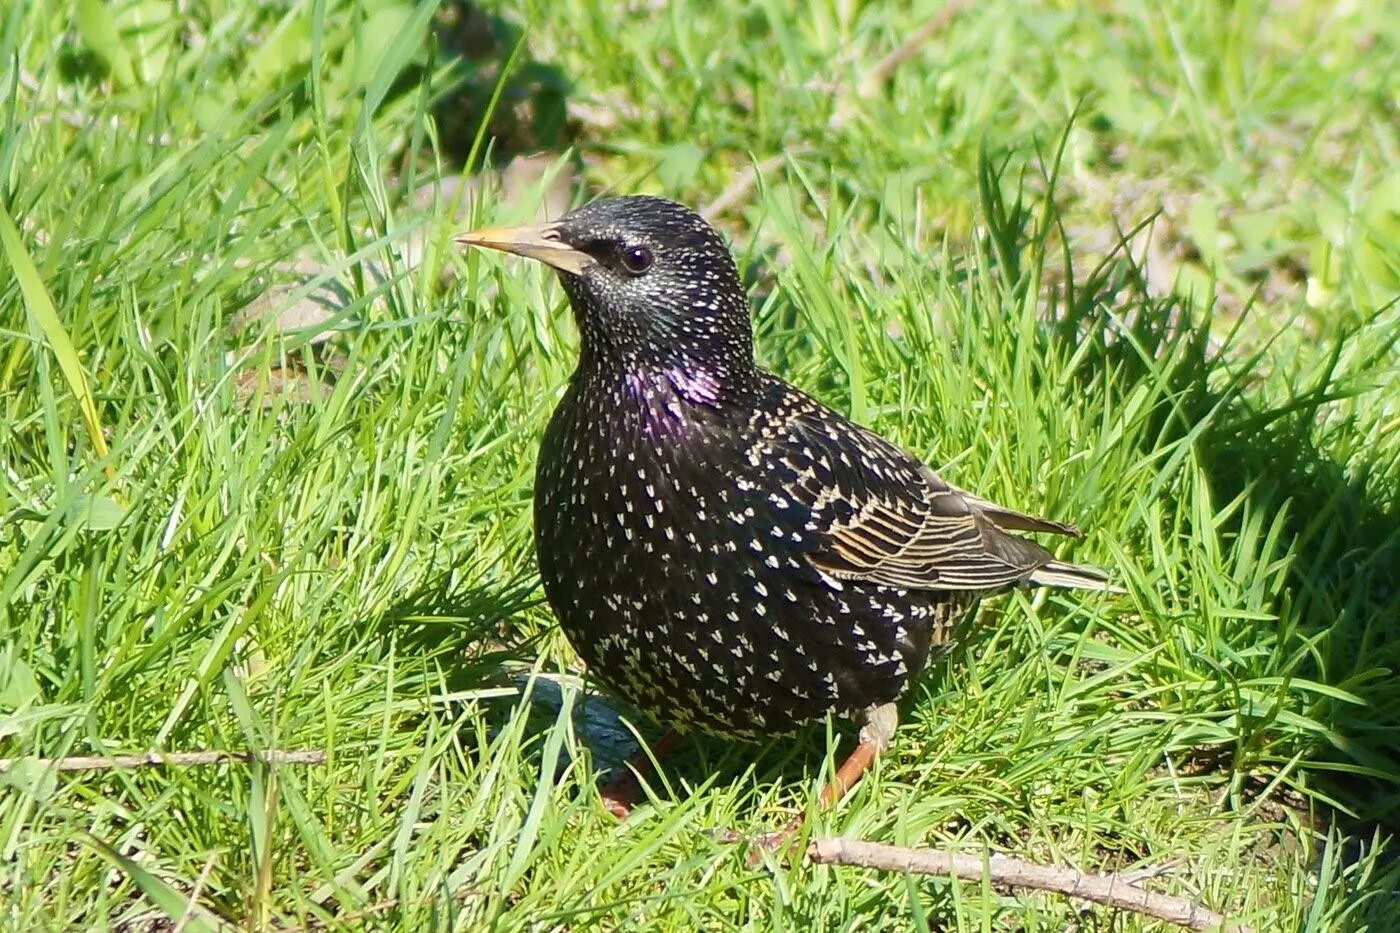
(724, 551)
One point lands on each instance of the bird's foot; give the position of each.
(620, 796)
(624, 791)
(775, 843)
(875, 735)
(756, 847)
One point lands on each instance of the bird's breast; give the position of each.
(628, 478)
(673, 551)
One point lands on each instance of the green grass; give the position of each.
(1133, 266)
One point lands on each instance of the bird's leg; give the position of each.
(625, 789)
(875, 737)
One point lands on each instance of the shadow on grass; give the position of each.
(474, 631)
(1338, 610)
(469, 625)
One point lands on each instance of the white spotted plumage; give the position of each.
(776, 562)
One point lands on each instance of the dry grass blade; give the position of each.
(869, 86)
(885, 67)
(740, 186)
(44, 317)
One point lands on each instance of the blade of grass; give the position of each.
(45, 322)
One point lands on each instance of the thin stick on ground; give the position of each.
(192, 905)
(1108, 890)
(847, 108)
(168, 759)
(876, 77)
(736, 189)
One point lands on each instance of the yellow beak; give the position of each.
(541, 243)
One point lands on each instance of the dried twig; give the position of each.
(1109, 890)
(168, 759)
(877, 76)
(192, 905)
(736, 189)
(867, 87)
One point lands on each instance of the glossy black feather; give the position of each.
(723, 550)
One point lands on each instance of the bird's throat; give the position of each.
(697, 386)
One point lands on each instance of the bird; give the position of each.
(725, 552)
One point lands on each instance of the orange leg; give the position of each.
(849, 774)
(875, 736)
(625, 789)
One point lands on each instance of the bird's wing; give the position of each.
(881, 515)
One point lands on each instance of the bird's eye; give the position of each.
(636, 259)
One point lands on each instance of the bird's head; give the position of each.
(652, 286)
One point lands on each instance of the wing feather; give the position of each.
(890, 519)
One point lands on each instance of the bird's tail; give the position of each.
(1075, 576)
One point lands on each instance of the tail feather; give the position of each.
(1008, 519)
(1015, 551)
(1075, 576)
